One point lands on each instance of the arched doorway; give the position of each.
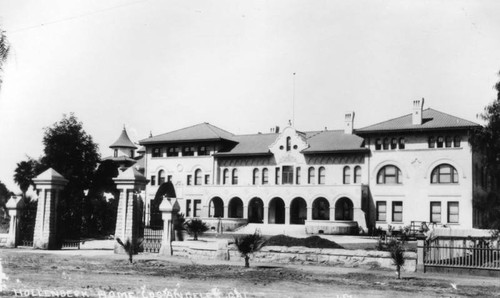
(277, 211)
(216, 207)
(298, 211)
(255, 211)
(235, 208)
(343, 209)
(321, 209)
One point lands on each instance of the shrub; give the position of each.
(311, 242)
(248, 245)
(397, 250)
(196, 227)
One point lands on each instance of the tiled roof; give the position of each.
(319, 141)
(431, 119)
(123, 141)
(199, 132)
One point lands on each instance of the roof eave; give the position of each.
(222, 154)
(360, 150)
(422, 129)
(145, 142)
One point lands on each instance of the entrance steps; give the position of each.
(272, 229)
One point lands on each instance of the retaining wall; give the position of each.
(3, 239)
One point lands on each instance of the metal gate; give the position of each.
(27, 224)
(153, 231)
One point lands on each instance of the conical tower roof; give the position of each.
(123, 141)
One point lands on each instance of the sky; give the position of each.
(157, 66)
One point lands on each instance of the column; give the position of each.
(49, 184)
(266, 215)
(226, 211)
(309, 213)
(14, 206)
(332, 214)
(129, 183)
(245, 211)
(287, 215)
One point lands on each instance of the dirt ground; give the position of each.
(98, 273)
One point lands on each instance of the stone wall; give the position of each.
(221, 250)
(3, 239)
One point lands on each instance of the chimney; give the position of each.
(418, 107)
(277, 130)
(349, 122)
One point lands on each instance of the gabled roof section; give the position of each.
(431, 120)
(123, 141)
(200, 132)
(255, 144)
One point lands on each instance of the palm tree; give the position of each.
(4, 50)
(397, 250)
(248, 245)
(196, 227)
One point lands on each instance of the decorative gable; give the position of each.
(288, 146)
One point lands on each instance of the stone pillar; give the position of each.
(420, 255)
(226, 211)
(332, 214)
(245, 211)
(49, 185)
(309, 213)
(287, 215)
(169, 208)
(266, 215)
(15, 206)
(129, 183)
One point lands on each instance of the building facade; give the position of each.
(418, 167)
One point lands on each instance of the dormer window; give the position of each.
(116, 153)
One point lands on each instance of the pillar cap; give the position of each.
(15, 202)
(169, 205)
(130, 176)
(50, 177)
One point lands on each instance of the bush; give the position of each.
(311, 242)
(397, 250)
(248, 245)
(196, 227)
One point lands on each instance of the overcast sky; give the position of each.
(157, 66)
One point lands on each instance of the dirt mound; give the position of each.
(311, 242)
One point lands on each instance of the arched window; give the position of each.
(401, 143)
(394, 143)
(288, 143)
(310, 176)
(225, 177)
(265, 176)
(343, 209)
(448, 141)
(389, 175)
(347, 175)
(321, 175)
(161, 177)
(255, 179)
(197, 177)
(444, 173)
(357, 174)
(234, 177)
(321, 209)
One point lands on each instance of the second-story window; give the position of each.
(234, 177)
(389, 175)
(197, 177)
(456, 141)
(402, 143)
(202, 150)
(188, 151)
(265, 176)
(225, 176)
(157, 152)
(357, 174)
(321, 175)
(310, 175)
(171, 152)
(255, 179)
(297, 176)
(288, 143)
(347, 175)
(378, 144)
(161, 177)
(394, 143)
(277, 177)
(115, 153)
(287, 175)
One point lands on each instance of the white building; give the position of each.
(418, 167)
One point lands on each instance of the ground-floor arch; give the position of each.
(298, 211)
(343, 209)
(277, 211)
(216, 207)
(321, 209)
(256, 211)
(235, 208)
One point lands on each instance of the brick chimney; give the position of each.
(349, 122)
(418, 107)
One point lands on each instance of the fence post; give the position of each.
(420, 255)
(15, 206)
(128, 219)
(169, 208)
(49, 184)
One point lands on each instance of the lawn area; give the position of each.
(104, 274)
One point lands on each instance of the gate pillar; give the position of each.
(169, 208)
(49, 185)
(15, 206)
(129, 183)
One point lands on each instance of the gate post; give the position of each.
(420, 255)
(129, 183)
(15, 206)
(169, 208)
(48, 185)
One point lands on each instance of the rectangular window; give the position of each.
(435, 212)
(432, 142)
(452, 212)
(277, 178)
(381, 211)
(397, 211)
(448, 142)
(287, 175)
(202, 150)
(440, 141)
(456, 141)
(402, 143)
(394, 143)
(171, 152)
(378, 144)
(188, 151)
(265, 177)
(157, 152)
(207, 179)
(153, 180)
(197, 208)
(188, 208)
(297, 176)
(189, 179)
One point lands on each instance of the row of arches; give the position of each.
(276, 211)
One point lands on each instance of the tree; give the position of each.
(248, 245)
(69, 150)
(4, 51)
(24, 173)
(486, 142)
(397, 250)
(196, 227)
(5, 194)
